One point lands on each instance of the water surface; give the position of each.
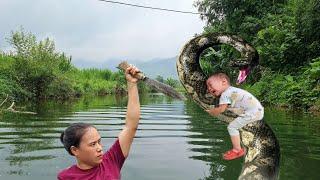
(175, 140)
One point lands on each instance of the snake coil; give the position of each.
(263, 151)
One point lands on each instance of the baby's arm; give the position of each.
(217, 110)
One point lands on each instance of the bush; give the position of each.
(36, 64)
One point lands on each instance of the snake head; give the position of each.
(243, 73)
(245, 67)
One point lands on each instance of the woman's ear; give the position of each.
(74, 150)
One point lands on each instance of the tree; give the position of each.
(172, 82)
(36, 64)
(160, 78)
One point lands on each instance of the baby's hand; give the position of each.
(212, 112)
(217, 110)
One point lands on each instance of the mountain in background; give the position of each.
(152, 68)
(163, 67)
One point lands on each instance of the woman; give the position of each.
(84, 142)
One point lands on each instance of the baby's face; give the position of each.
(216, 86)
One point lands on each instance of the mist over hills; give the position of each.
(152, 68)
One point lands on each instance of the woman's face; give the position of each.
(90, 150)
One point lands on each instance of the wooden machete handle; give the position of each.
(124, 65)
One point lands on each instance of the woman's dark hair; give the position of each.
(73, 134)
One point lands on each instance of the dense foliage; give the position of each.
(286, 34)
(35, 70)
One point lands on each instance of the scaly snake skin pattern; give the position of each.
(263, 151)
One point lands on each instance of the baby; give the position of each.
(219, 85)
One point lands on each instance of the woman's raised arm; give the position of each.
(133, 112)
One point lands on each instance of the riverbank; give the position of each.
(34, 70)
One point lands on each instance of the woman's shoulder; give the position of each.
(114, 155)
(114, 149)
(73, 172)
(65, 172)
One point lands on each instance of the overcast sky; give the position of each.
(91, 30)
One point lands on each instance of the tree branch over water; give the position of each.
(11, 108)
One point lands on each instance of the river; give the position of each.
(175, 140)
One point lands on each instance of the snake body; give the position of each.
(263, 151)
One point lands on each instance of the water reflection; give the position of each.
(212, 142)
(25, 138)
(175, 140)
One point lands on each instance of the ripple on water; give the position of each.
(174, 139)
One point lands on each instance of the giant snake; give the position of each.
(263, 151)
